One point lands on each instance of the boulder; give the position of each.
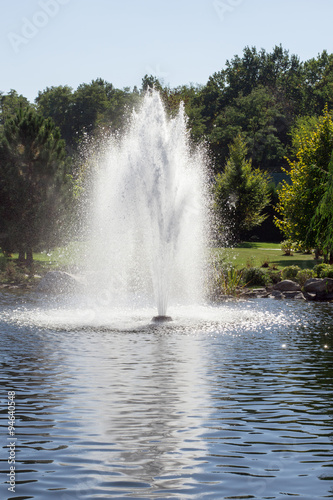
(276, 294)
(287, 286)
(293, 295)
(319, 285)
(319, 289)
(60, 282)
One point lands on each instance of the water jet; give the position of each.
(148, 213)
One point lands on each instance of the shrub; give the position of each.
(12, 273)
(323, 270)
(274, 275)
(290, 272)
(287, 247)
(303, 275)
(255, 276)
(302, 248)
(231, 281)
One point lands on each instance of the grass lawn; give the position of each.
(245, 255)
(64, 258)
(256, 254)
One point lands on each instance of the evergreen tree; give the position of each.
(241, 193)
(34, 186)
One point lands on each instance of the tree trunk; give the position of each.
(21, 257)
(30, 257)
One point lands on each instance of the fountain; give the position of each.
(149, 217)
(235, 401)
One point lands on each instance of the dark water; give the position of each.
(223, 403)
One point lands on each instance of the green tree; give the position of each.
(322, 220)
(57, 103)
(9, 104)
(317, 87)
(149, 82)
(262, 121)
(258, 94)
(34, 186)
(120, 103)
(309, 174)
(241, 193)
(90, 107)
(91, 100)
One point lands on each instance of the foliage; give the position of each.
(241, 192)
(9, 104)
(323, 270)
(255, 276)
(303, 275)
(224, 278)
(322, 220)
(91, 106)
(290, 272)
(260, 94)
(317, 83)
(150, 82)
(33, 182)
(273, 275)
(300, 219)
(57, 103)
(230, 281)
(271, 98)
(287, 247)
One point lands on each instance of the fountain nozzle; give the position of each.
(161, 319)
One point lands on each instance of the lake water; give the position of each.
(229, 402)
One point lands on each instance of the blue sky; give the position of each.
(68, 42)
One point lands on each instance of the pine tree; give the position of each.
(33, 183)
(241, 193)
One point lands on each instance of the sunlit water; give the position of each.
(229, 402)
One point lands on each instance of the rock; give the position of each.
(287, 286)
(310, 281)
(293, 295)
(319, 289)
(225, 298)
(276, 294)
(260, 292)
(310, 296)
(319, 285)
(60, 282)
(254, 293)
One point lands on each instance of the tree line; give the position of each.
(254, 116)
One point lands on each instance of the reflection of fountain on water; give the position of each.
(149, 214)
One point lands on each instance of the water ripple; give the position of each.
(235, 402)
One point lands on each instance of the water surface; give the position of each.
(231, 402)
